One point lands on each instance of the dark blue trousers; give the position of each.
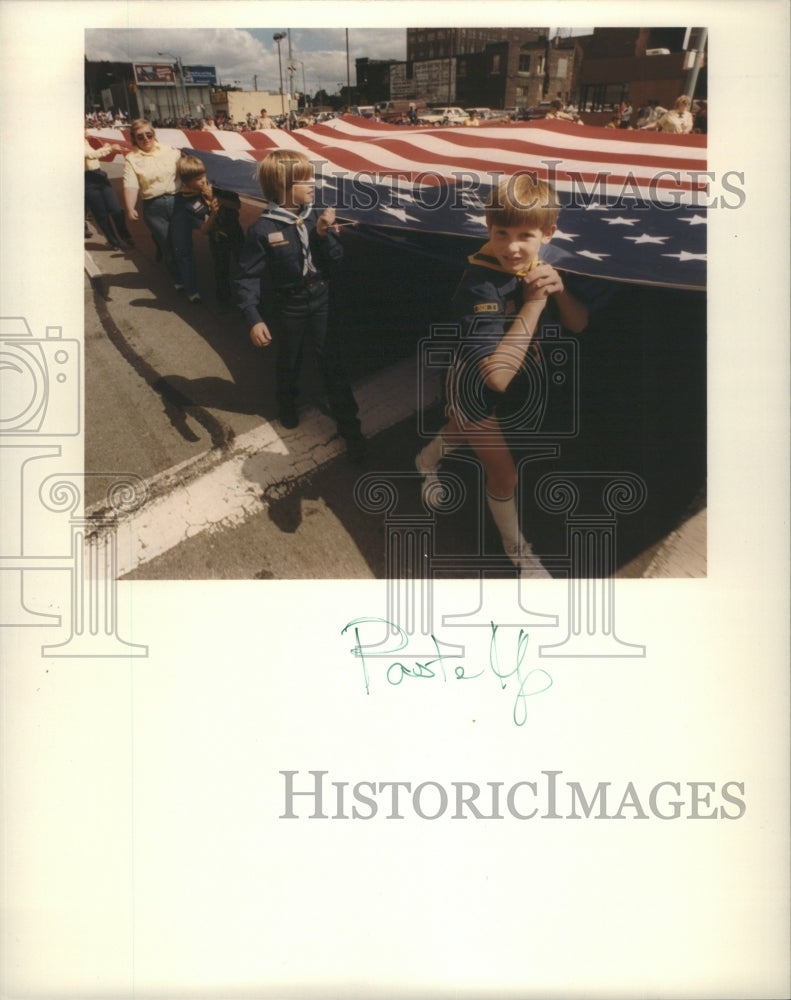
(302, 314)
(101, 201)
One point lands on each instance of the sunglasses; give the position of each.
(144, 135)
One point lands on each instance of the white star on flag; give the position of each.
(645, 238)
(693, 220)
(471, 200)
(400, 214)
(559, 235)
(398, 190)
(478, 221)
(592, 255)
(620, 221)
(684, 255)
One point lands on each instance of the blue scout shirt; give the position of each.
(273, 248)
(487, 298)
(485, 304)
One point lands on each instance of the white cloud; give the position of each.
(243, 55)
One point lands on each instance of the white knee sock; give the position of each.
(506, 518)
(426, 463)
(428, 458)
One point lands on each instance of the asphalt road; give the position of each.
(176, 395)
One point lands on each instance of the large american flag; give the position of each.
(633, 202)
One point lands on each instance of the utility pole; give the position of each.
(290, 73)
(692, 76)
(185, 106)
(279, 38)
(348, 76)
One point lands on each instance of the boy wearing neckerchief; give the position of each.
(504, 299)
(292, 244)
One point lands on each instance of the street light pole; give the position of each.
(292, 69)
(185, 109)
(348, 77)
(279, 38)
(290, 74)
(692, 75)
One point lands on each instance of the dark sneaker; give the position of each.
(356, 448)
(289, 417)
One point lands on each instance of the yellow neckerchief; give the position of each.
(485, 258)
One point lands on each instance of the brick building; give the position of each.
(373, 80)
(492, 67)
(638, 64)
(520, 67)
(442, 43)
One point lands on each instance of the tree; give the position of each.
(325, 100)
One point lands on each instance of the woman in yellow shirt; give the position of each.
(150, 175)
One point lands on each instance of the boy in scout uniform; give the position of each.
(504, 298)
(293, 244)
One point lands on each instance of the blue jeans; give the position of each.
(181, 240)
(157, 213)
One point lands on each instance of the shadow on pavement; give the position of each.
(642, 404)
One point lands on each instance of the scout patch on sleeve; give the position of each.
(486, 307)
(276, 237)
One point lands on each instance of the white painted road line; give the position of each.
(225, 495)
(683, 553)
(92, 269)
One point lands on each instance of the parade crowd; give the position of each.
(684, 117)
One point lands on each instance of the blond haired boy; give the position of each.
(293, 245)
(502, 301)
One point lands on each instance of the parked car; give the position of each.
(362, 110)
(393, 111)
(538, 111)
(443, 116)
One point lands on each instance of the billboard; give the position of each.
(200, 76)
(154, 73)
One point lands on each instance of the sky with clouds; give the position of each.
(241, 54)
